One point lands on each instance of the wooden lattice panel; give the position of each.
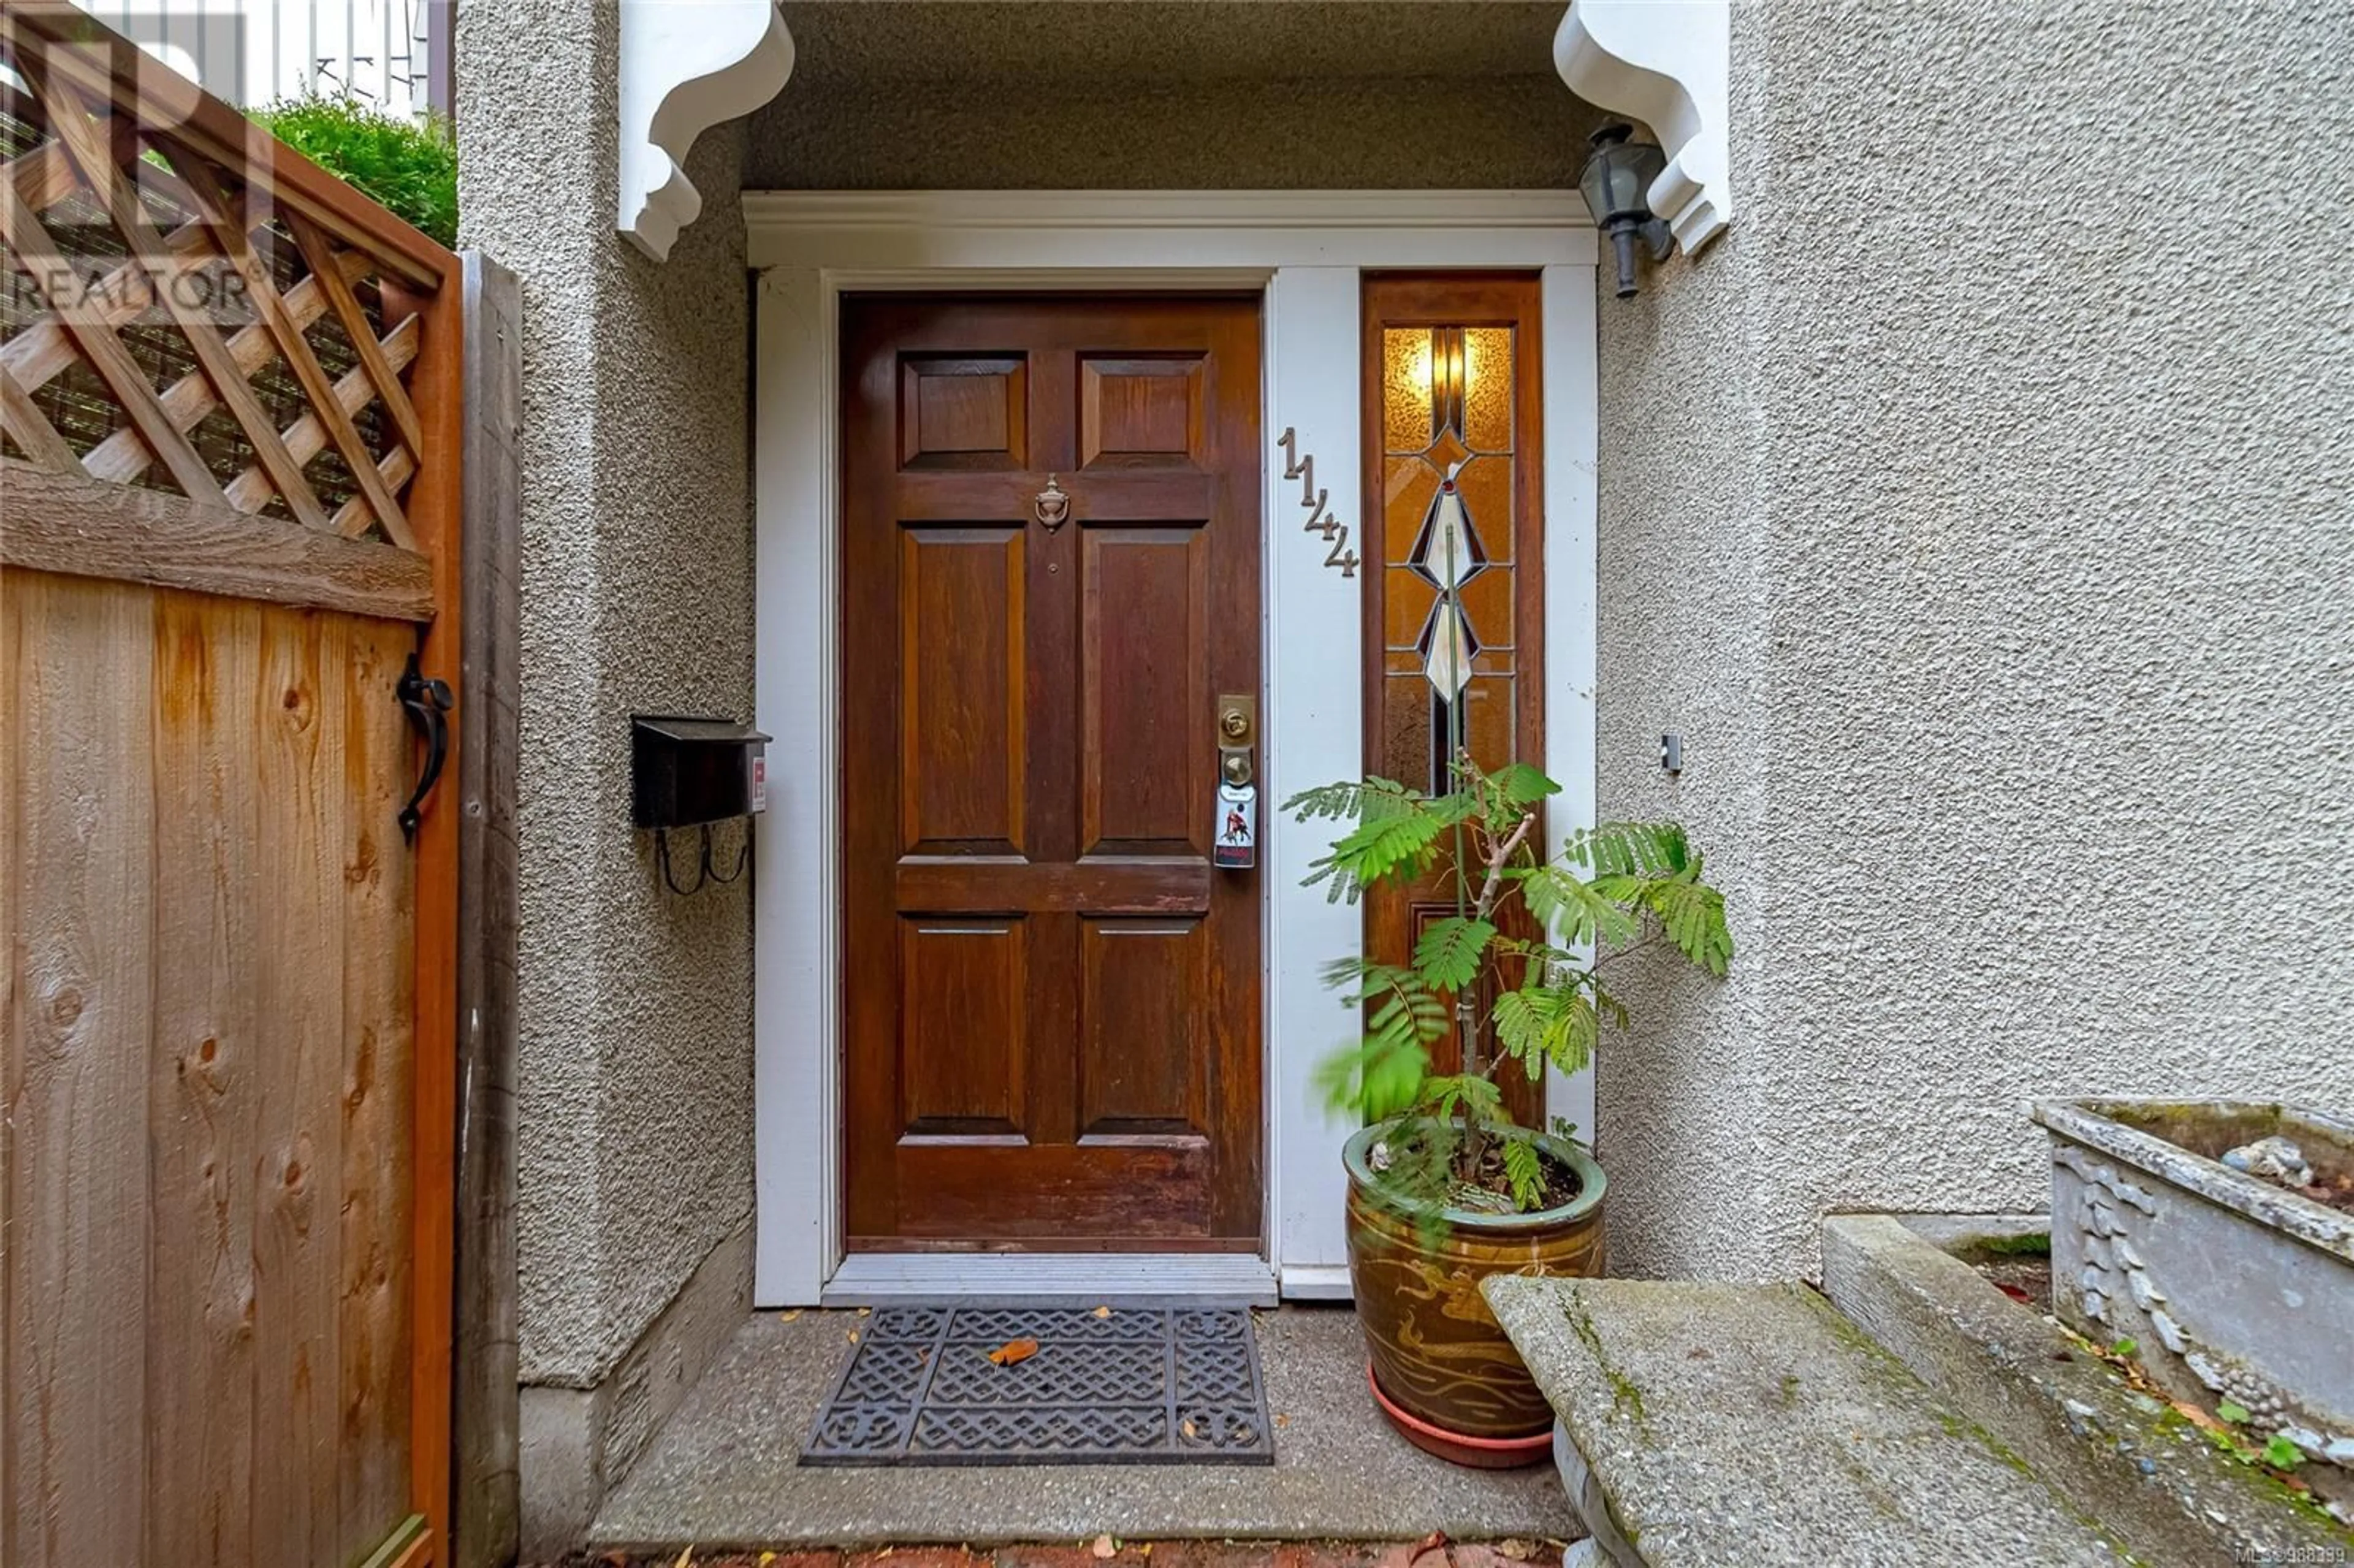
(171, 322)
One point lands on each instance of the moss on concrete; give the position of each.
(2037, 1244)
(1624, 1396)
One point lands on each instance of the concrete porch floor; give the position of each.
(723, 1471)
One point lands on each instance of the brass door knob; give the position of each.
(1234, 766)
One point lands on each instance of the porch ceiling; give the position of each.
(1168, 41)
(1171, 95)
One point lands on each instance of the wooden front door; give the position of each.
(1052, 998)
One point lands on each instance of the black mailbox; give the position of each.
(683, 771)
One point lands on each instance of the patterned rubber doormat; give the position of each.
(1123, 1385)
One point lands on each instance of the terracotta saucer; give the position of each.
(1479, 1453)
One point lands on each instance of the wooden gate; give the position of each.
(230, 494)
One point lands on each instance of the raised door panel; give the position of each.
(1143, 1059)
(960, 699)
(1144, 696)
(963, 1035)
(961, 413)
(1140, 413)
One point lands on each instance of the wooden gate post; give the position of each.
(487, 1503)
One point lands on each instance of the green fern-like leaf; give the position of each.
(1519, 1025)
(1400, 844)
(1448, 957)
(1629, 849)
(1692, 913)
(1462, 806)
(1465, 1097)
(1354, 799)
(1575, 1031)
(1543, 1024)
(1362, 983)
(1379, 1076)
(1608, 1008)
(1525, 1171)
(1519, 784)
(1344, 974)
(1577, 909)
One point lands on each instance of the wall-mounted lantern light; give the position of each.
(1617, 182)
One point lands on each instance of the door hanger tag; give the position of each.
(1234, 844)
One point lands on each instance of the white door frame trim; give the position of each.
(1305, 251)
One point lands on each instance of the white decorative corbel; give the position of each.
(1666, 63)
(685, 66)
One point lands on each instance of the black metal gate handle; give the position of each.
(429, 701)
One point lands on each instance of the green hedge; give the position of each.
(409, 166)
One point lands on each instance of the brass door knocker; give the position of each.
(1053, 505)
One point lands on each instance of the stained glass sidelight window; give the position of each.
(1453, 466)
(1450, 515)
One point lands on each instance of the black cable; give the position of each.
(661, 852)
(742, 857)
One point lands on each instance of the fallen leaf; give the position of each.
(1015, 1350)
(851, 1336)
(1103, 1312)
(2198, 1417)
(766, 1558)
(685, 1557)
(789, 1317)
(1517, 1550)
(1188, 1428)
(2016, 1292)
(1282, 1420)
(1145, 1550)
(1434, 1541)
(866, 1311)
(1105, 1545)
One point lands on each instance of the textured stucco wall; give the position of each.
(1978, 509)
(636, 1137)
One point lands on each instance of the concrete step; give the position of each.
(1702, 1426)
(2121, 1457)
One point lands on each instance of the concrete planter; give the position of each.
(2232, 1287)
(1442, 1369)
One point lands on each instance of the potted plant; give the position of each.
(1444, 1187)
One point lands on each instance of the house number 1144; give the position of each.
(1320, 515)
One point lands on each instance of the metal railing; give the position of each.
(389, 53)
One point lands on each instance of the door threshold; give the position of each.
(880, 1278)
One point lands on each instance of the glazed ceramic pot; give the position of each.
(1442, 1368)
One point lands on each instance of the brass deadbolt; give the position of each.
(1235, 723)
